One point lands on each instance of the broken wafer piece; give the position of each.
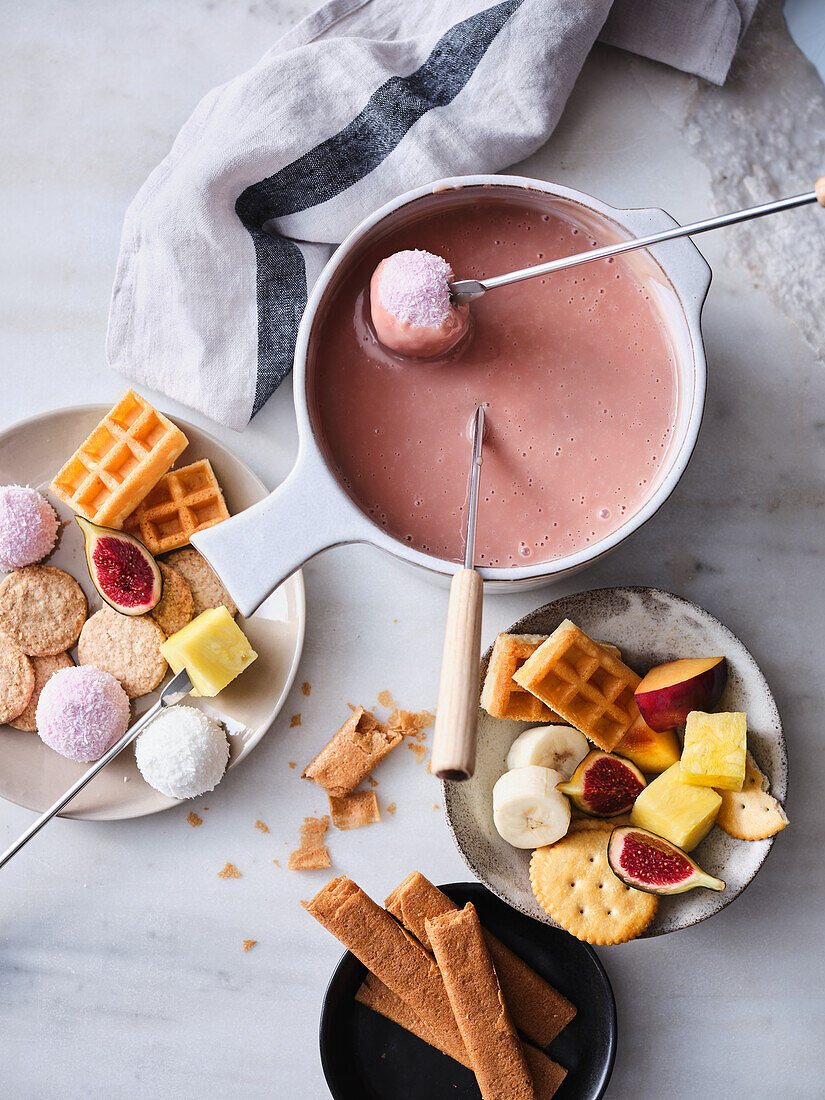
(752, 813)
(357, 748)
(115, 467)
(488, 1031)
(389, 952)
(539, 1011)
(354, 810)
(312, 853)
(547, 1075)
(183, 502)
(501, 696)
(584, 683)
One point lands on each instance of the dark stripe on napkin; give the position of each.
(337, 164)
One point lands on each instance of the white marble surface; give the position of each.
(121, 970)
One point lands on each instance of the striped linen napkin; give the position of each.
(363, 100)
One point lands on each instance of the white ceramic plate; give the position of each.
(31, 774)
(650, 627)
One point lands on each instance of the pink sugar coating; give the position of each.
(81, 712)
(28, 527)
(414, 287)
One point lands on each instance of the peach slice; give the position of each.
(670, 692)
(652, 751)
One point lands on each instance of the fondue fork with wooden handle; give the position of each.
(467, 290)
(456, 720)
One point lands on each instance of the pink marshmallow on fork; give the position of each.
(411, 308)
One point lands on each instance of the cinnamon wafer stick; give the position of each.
(357, 748)
(389, 952)
(538, 1010)
(488, 1032)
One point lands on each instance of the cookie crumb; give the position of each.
(419, 750)
(294, 721)
(247, 944)
(229, 870)
(306, 687)
(277, 862)
(435, 806)
(312, 853)
(293, 764)
(391, 809)
(261, 827)
(194, 820)
(354, 810)
(386, 699)
(373, 782)
(411, 723)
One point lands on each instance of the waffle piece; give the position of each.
(182, 503)
(584, 683)
(501, 696)
(113, 470)
(539, 1011)
(478, 1005)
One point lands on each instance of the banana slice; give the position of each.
(528, 811)
(558, 747)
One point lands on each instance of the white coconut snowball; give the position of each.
(182, 753)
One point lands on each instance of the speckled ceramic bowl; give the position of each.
(650, 627)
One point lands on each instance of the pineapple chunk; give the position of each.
(212, 648)
(715, 750)
(672, 808)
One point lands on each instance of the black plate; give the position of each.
(366, 1057)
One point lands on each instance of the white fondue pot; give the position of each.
(311, 511)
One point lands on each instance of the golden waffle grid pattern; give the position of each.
(183, 502)
(501, 696)
(114, 468)
(584, 683)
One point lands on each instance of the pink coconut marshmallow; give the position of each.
(81, 712)
(28, 527)
(412, 312)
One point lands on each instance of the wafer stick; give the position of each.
(357, 748)
(478, 1005)
(538, 1010)
(389, 952)
(547, 1075)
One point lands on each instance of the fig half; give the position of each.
(648, 862)
(604, 785)
(122, 569)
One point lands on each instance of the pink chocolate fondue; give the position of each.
(576, 369)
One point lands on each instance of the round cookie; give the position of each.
(207, 590)
(44, 669)
(574, 884)
(16, 679)
(176, 605)
(125, 647)
(42, 609)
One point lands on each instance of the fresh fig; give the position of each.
(604, 785)
(648, 862)
(122, 569)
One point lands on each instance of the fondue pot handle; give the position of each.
(258, 549)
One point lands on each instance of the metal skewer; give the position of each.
(467, 290)
(456, 722)
(177, 688)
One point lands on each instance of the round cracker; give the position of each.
(207, 590)
(574, 884)
(582, 824)
(752, 813)
(176, 605)
(42, 609)
(126, 647)
(16, 679)
(44, 669)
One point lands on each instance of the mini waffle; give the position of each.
(501, 696)
(183, 502)
(582, 680)
(113, 470)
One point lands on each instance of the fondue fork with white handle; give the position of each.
(456, 720)
(468, 290)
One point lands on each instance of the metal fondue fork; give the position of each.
(467, 290)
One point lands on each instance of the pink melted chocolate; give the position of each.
(576, 370)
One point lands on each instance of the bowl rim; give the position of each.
(690, 299)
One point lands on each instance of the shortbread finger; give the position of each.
(539, 1011)
(354, 752)
(389, 952)
(488, 1032)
